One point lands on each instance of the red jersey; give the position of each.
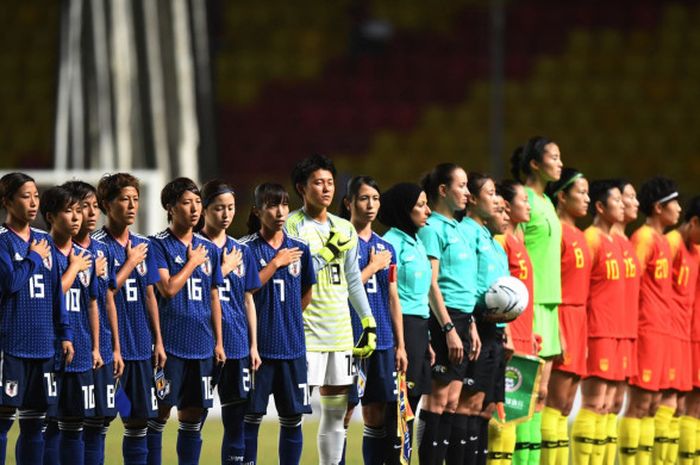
(695, 335)
(654, 255)
(684, 272)
(520, 266)
(606, 298)
(575, 266)
(631, 276)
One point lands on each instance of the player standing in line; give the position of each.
(190, 274)
(76, 386)
(137, 310)
(286, 272)
(479, 392)
(452, 299)
(239, 323)
(405, 211)
(502, 441)
(33, 319)
(605, 324)
(570, 196)
(658, 199)
(629, 342)
(329, 340)
(684, 271)
(693, 400)
(360, 206)
(95, 428)
(540, 160)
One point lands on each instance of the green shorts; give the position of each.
(546, 324)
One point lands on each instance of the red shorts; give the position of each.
(651, 360)
(572, 327)
(628, 351)
(605, 359)
(679, 365)
(523, 346)
(696, 363)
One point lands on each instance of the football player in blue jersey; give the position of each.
(377, 374)
(32, 319)
(95, 428)
(286, 272)
(239, 324)
(137, 310)
(76, 387)
(190, 311)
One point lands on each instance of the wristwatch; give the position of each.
(448, 327)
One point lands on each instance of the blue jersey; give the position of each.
(278, 302)
(104, 284)
(32, 310)
(232, 296)
(135, 336)
(185, 319)
(377, 288)
(78, 298)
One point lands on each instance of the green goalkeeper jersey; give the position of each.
(327, 324)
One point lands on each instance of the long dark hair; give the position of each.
(265, 194)
(431, 182)
(522, 156)
(10, 184)
(353, 188)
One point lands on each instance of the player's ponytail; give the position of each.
(10, 184)
(431, 182)
(515, 162)
(522, 156)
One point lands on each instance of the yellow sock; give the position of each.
(611, 444)
(628, 440)
(662, 423)
(583, 435)
(550, 438)
(563, 434)
(687, 440)
(646, 441)
(696, 460)
(600, 439)
(507, 444)
(674, 433)
(495, 456)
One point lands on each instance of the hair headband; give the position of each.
(568, 183)
(669, 197)
(222, 190)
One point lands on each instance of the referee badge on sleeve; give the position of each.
(162, 385)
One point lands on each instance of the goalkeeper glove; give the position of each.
(337, 243)
(368, 341)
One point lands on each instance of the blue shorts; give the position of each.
(234, 381)
(105, 390)
(27, 383)
(190, 382)
(136, 395)
(286, 380)
(380, 373)
(76, 396)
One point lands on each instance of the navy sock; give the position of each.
(154, 439)
(189, 443)
(471, 448)
(92, 435)
(71, 450)
(50, 453)
(135, 446)
(429, 423)
(233, 442)
(373, 447)
(30, 444)
(251, 427)
(458, 440)
(6, 420)
(291, 440)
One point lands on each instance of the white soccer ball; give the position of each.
(506, 299)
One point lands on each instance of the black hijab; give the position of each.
(397, 204)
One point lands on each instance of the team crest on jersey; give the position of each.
(141, 268)
(295, 268)
(84, 277)
(11, 388)
(239, 270)
(604, 364)
(206, 267)
(48, 262)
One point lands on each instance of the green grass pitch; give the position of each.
(211, 448)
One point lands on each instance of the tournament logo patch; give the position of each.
(84, 277)
(604, 364)
(513, 379)
(11, 388)
(646, 375)
(295, 268)
(48, 262)
(206, 267)
(141, 268)
(161, 384)
(671, 374)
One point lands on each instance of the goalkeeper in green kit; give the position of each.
(327, 324)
